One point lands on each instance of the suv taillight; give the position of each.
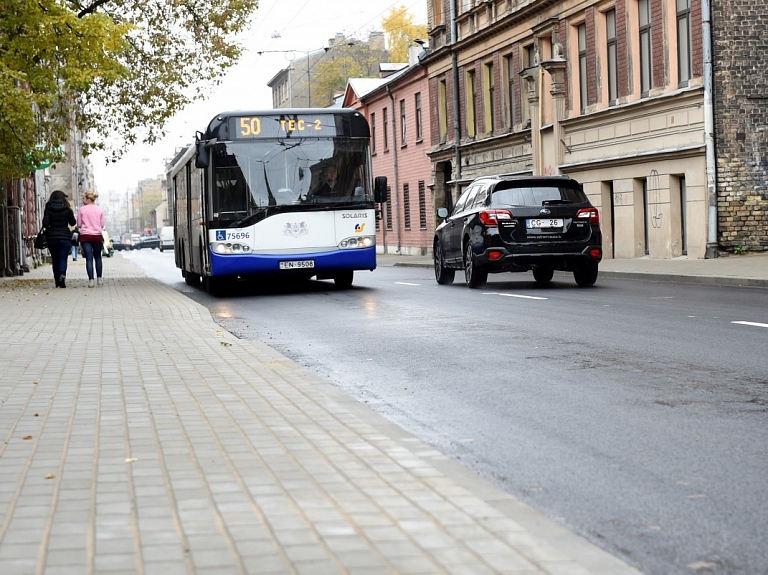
(590, 214)
(492, 217)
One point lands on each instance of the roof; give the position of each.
(362, 86)
(392, 66)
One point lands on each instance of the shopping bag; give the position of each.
(41, 242)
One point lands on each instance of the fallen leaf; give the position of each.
(37, 414)
(225, 344)
(130, 459)
(50, 476)
(35, 383)
(27, 438)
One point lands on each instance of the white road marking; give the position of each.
(407, 284)
(751, 323)
(515, 295)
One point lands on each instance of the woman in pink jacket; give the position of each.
(90, 220)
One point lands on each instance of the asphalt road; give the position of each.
(634, 413)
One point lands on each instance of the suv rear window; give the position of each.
(514, 195)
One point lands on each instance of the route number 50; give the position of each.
(250, 127)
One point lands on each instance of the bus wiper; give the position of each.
(247, 220)
(272, 200)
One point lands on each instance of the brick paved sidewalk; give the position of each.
(138, 437)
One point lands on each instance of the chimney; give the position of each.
(413, 55)
(376, 41)
(338, 39)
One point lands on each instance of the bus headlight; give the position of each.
(226, 248)
(357, 242)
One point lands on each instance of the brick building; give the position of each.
(396, 110)
(740, 45)
(618, 95)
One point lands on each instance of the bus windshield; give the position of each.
(252, 176)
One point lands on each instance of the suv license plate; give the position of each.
(544, 223)
(297, 265)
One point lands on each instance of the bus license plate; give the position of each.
(544, 223)
(297, 265)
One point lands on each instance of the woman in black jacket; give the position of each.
(57, 219)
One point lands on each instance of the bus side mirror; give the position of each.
(380, 189)
(203, 156)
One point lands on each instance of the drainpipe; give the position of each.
(456, 104)
(394, 149)
(709, 130)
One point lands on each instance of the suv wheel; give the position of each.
(474, 275)
(586, 274)
(543, 275)
(442, 275)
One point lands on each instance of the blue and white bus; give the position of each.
(251, 201)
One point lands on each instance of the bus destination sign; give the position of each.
(282, 126)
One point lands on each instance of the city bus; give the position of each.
(251, 201)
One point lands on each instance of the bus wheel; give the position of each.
(344, 279)
(191, 279)
(214, 286)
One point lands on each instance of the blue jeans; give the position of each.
(92, 251)
(74, 253)
(59, 253)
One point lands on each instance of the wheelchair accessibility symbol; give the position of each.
(221, 235)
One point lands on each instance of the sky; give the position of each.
(278, 25)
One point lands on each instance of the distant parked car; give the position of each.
(147, 242)
(166, 238)
(121, 246)
(518, 224)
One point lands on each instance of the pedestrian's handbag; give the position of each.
(75, 237)
(41, 242)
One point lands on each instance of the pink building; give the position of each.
(397, 110)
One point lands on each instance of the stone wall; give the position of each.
(740, 45)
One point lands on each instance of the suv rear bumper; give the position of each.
(499, 259)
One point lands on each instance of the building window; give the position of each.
(389, 208)
(582, 32)
(402, 123)
(529, 59)
(386, 129)
(422, 206)
(406, 206)
(437, 12)
(489, 102)
(613, 66)
(373, 132)
(442, 111)
(684, 63)
(471, 104)
(419, 127)
(510, 65)
(644, 18)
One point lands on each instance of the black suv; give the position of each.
(147, 242)
(519, 224)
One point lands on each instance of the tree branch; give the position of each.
(92, 8)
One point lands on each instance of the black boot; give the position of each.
(62, 284)
(57, 280)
